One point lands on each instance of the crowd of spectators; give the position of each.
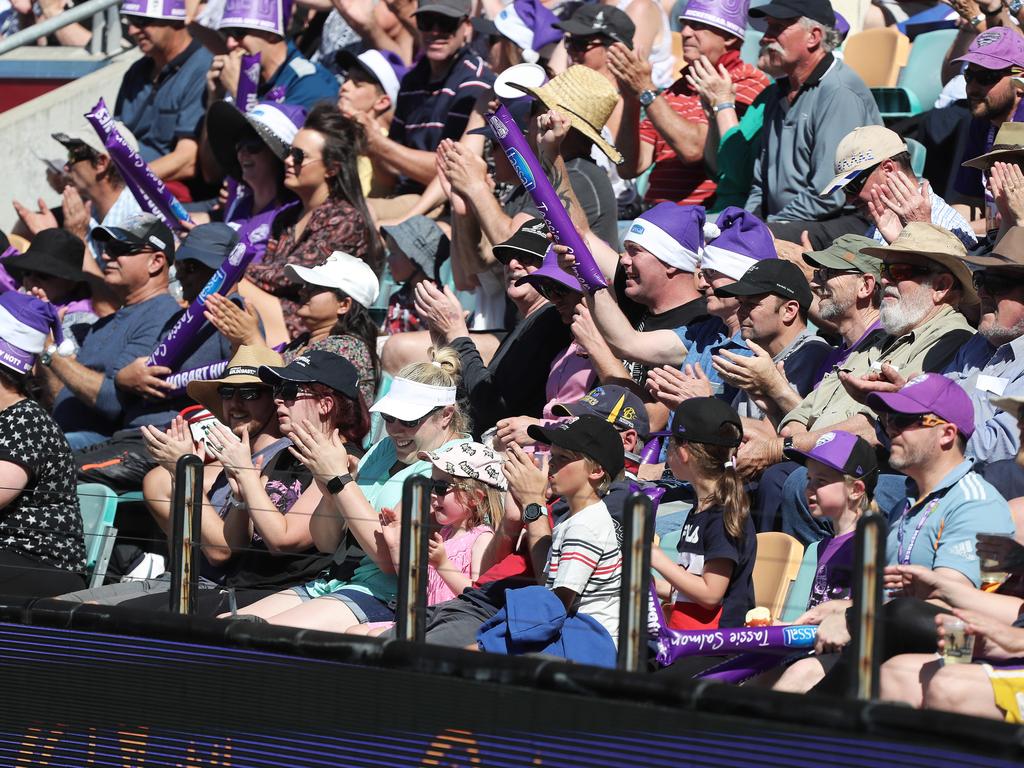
(802, 324)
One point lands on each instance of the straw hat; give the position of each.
(241, 370)
(587, 97)
(934, 243)
(1008, 148)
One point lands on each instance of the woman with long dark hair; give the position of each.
(320, 169)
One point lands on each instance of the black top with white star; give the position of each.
(43, 521)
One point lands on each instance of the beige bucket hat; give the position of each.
(241, 370)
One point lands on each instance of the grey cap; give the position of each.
(209, 244)
(420, 239)
(457, 9)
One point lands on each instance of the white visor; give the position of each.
(411, 400)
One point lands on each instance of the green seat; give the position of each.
(98, 505)
(918, 153)
(919, 83)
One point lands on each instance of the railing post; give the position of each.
(637, 534)
(410, 617)
(112, 36)
(866, 629)
(99, 23)
(186, 540)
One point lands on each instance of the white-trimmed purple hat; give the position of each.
(727, 15)
(674, 234)
(173, 10)
(530, 25)
(743, 240)
(25, 324)
(265, 15)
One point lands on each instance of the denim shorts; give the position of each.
(364, 607)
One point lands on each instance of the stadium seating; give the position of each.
(776, 567)
(98, 505)
(877, 55)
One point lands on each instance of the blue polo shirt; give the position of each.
(161, 111)
(939, 530)
(303, 82)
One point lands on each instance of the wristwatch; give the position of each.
(533, 511)
(47, 357)
(646, 97)
(787, 443)
(1014, 6)
(337, 483)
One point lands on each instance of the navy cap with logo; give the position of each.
(597, 19)
(619, 406)
(144, 230)
(706, 420)
(775, 276)
(316, 367)
(588, 435)
(530, 242)
(820, 11)
(209, 244)
(844, 452)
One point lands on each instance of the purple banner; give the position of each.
(180, 381)
(248, 82)
(651, 454)
(146, 186)
(531, 174)
(181, 340)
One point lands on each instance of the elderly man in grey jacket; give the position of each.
(807, 113)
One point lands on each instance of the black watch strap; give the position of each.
(336, 483)
(533, 512)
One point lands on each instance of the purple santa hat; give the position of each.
(172, 10)
(265, 15)
(743, 240)
(530, 25)
(549, 268)
(673, 234)
(727, 15)
(25, 324)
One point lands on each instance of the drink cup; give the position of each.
(992, 573)
(959, 646)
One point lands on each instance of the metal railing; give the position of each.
(866, 625)
(411, 617)
(637, 533)
(105, 22)
(186, 536)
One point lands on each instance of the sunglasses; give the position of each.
(290, 391)
(855, 187)
(236, 32)
(298, 158)
(824, 274)
(437, 22)
(898, 422)
(250, 144)
(987, 77)
(582, 44)
(410, 424)
(249, 393)
(79, 153)
(553, 291)
(116, 250)
(994, 284)
(441, 488)
(899, 271)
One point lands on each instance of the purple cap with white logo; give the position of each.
(265, 15)
(743, 240)
(929, 393)
(996, 48)
(173, 10)
(727, 15)
(673, 234)
(844, 452)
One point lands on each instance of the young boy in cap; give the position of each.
(580, 559)
(415, 247)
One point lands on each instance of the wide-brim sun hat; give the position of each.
(586, 97)
(242, 369)
(275, 124)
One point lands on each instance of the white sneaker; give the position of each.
(151, 566)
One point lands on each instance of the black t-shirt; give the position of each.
(43, 521)
(704, 538)
(669, 320)
(286, 480)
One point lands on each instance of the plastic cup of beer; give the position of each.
(958, 647)
(992, 574)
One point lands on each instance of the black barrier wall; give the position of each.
(84, 698)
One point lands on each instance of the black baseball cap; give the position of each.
(209, 244)
(140, 231)
(316, 367)
(817, 10)
(704, 420)
(529, 242)
(619, 406)
(590, 435)
(775, 276)
(597, 19)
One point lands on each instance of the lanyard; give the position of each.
(900, 558)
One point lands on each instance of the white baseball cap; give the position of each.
(343, 272)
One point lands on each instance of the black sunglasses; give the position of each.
(299, 158)
(250, 393)
(899, 271)
(552, 290)
(582, 44)
(986, 77)
(995, 284)
(437, 22)
(117, 249)
(287, 391)
(854, 187)
(410, 424)
(824, 274)
(442, 488)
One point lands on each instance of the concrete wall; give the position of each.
(25, 134)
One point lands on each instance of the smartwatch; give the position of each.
(337, 483)
(532, 512)
(787, 443)
(1014, 6)
(646, 97)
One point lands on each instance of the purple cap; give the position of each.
(996, 48)
(843, 451)
(842, 26)
(530, 25)
(25, 324)
(929, 393)
(550, 269)
(743, 240)
(674, 234)
(155, 9)
(727, 15)
(265, 15)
